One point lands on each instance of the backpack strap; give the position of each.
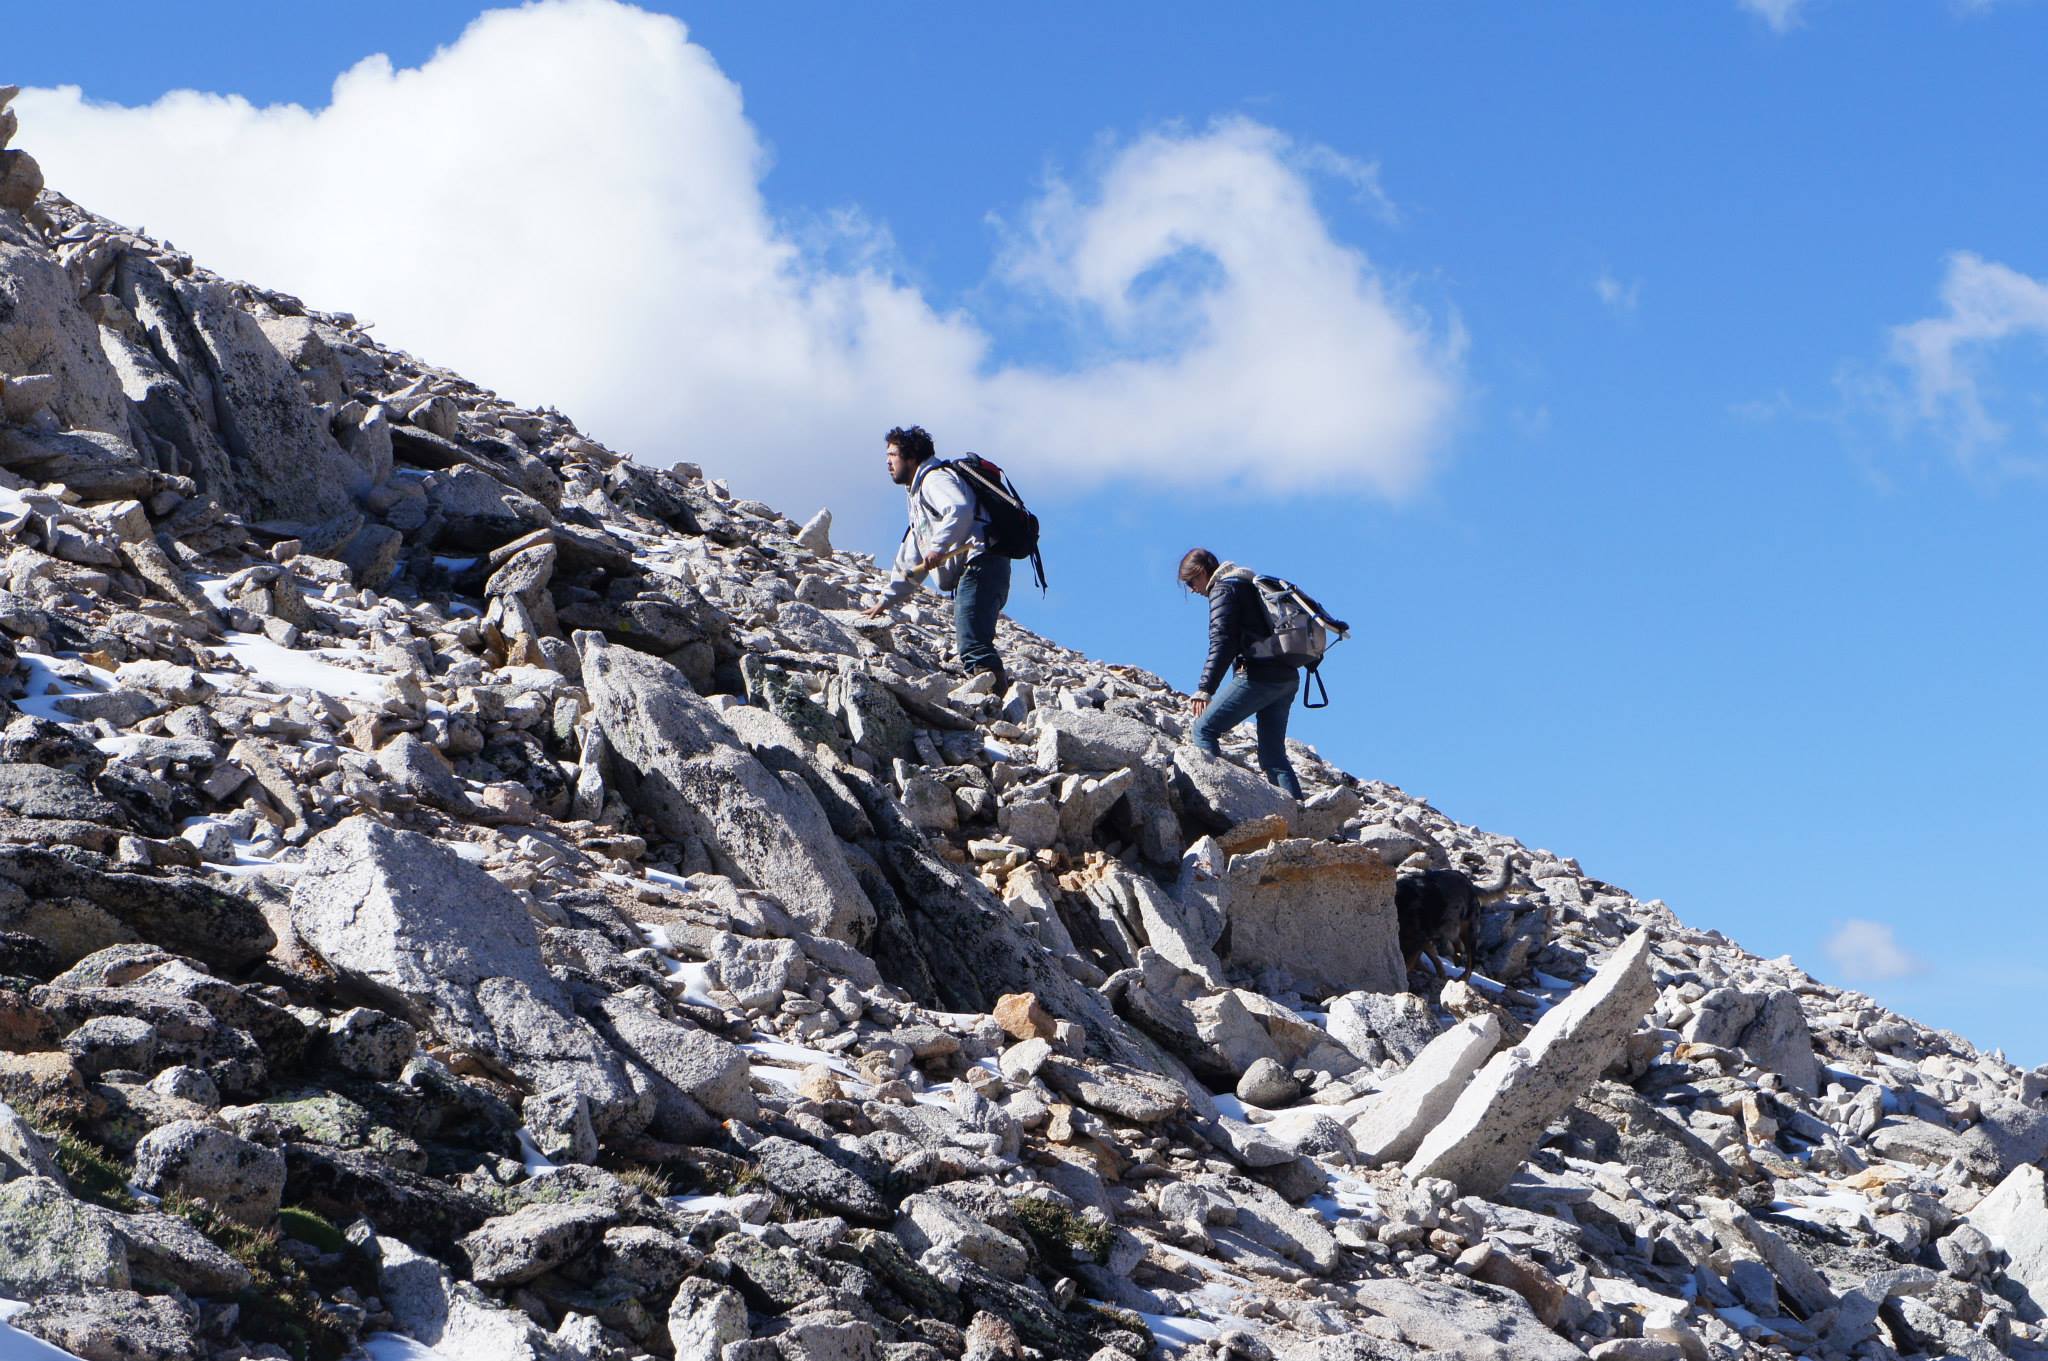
(917, 484)
(1315, 674)
(1004, 491)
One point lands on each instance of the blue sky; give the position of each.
(1658, 387)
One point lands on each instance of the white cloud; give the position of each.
(1362, 176)
(1948, 358)
(1619, 297)
(1869, 951)
(565, 204)
(1782, 15)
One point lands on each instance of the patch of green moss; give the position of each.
(1062, 1235)
(281, 1304)
(532, 1191)
(294, 1221)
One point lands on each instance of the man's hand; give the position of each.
(1197, 705)
(932, 560)
(876, 610)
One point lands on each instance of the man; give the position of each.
(1259, 688)
(947, 541)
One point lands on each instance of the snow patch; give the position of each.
(782, 1052)
(398, 1347)
(714, 1204)
(44, 687)
(280, 667)
(697, 982)
(251, 860)
(666, 879)
(537, 1163)
(1348, 1198)
(1827, 1209)
(1228, 1104)
(1178, 1330)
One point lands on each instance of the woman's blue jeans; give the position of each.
(983, 590)
(1268, 702)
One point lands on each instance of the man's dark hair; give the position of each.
(1196, 562)
(915, 443)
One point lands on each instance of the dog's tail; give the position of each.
(1468, 928)
(1500, 885)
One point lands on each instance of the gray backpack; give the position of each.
(1301, 628)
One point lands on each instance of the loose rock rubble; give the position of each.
(458, 882)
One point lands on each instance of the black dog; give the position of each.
(1439, 915)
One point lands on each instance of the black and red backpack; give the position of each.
(1012, 529)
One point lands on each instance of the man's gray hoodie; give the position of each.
(944, 514)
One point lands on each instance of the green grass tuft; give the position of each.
(94, 1173)
(1062, 1235)
(642, 1177)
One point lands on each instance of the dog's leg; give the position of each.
(1408, 963)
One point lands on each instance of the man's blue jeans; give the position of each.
(979, 598)
(1268, 702)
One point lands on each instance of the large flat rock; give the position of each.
(479, 512)
(1094, 739)
(48, 1241)
(1502, 1114)
(696, 1063)
(440, 940)
(1407, 1108)
(97, 466)
(1321, 910)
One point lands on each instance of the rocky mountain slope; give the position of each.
(458, 884)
